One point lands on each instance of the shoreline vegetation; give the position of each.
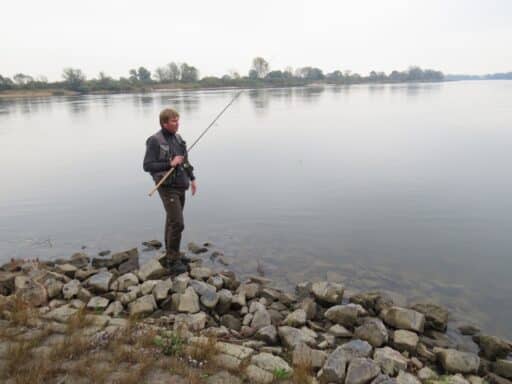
(185, 76)
(107, 319)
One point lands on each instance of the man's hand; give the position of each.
(176, 160)
(193, 186)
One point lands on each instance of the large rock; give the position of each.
(345, 315)
(258, 375)
(71, 289)
(270, 363)
(201, 273)
(225, 298)
(80, 260)
(162, 289)
(303, 355)
(296, 319)
(210, 299)
(53, 288)
(338, 330)
(504, 368)
(405, 340)
(30, 291)
(407, 378)
(189, 301)
(373, 331)
(403, 318)
(151, 270)
(147, 287)
(126, 280)
(180, 283)
(261, 319)
(97, 303)
(436, 317)
(493, 347)
(143, 306)
(291, 337)
(231, 322)
(326, 292)
(361, 371)
(61, 314)
(454, 361)
(390, 360)
(223, 377)
(267, 334)
(374, 302)
(100, 282)
(335, 366)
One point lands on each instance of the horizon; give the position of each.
(455, 37)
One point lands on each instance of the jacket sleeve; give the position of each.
(189, 168)
(152, 163)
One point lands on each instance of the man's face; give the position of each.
(172, 125)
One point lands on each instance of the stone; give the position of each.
(201, 287)
(196, 249)
(335, 366)
(238, 301)
(270, 363)
(310, 307)
(83, 274)
(60, 314)
(80, 260)
(114, 309)
(162, 289)
(180, 283)
(406, 378)
(384, 379)
(436, 317)
(291, 337)
(224, 303)
(226, 361)
(503, 368)
(424, 352)
(495, 379)
(31, 291)
(147, 287)
(66, 269)
(296, 319)
(251, 290)
(493, 347)
(405, 340)
(261, 319)
(143, 306)
(6, 283)
(468, 329)
(454, 361)
(70, 289)
(130, 265)
(427, 373)
(131, 295)
(201, 273)
(195, 322)
(303, 288)
(390, 360)
(256, 306)
(231, 322)
(151, 270)
(258, 375)
(402, 318)
(223, 377)
(97, 303)
(216, 281)
(238, 351)
(327, 292)
(53, 288)
(267, 334)
(339, 331)
(345, 315)
(373, 331)
(84, 295)
(306, 356)
(210, 299)
(247, 319)
(374, 302)
(127, 280)
(152, 244)
(361, 371)
(100, 282)
(189, 301)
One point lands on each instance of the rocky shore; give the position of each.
(108, 319)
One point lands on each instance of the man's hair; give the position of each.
(166, 114)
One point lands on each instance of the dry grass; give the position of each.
(302, 373)
(77, 321)
(203, 350)
(18, 311)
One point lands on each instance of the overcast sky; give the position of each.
(455, 36)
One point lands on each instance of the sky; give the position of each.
(454, 36)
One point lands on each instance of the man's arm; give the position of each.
(152, 163)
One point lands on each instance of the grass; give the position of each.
(281, 374)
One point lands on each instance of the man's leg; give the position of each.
(172, 201)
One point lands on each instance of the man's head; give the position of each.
(169, 120)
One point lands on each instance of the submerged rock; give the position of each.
(493, 347)
(436, 317)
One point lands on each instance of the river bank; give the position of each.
(108, 319)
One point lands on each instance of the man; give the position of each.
(165, 150)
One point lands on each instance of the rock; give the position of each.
(60, 314)
(493, 347)
(210, 299)
(70, 290)
(84, 295)
(326, 292)
(454, 361)
(223, 377)
(267, 334)
(180, 283)
(80, 260)
(305, 356)
(258, 375)
(195, 322)
(53, 288)
(31, 291)
(226, 361)
(230, 280)
(130, 265)
(101, 262)
(405, 340)
(100, 282)
(151, 270)
(339, 331)
(6, 283)
(127, 280)
(303, 289)
(83, 274)
(384, 379)
(231, 322)
(427, 373)
(407, 378)
(374, 302)
(310, 307)
(147, 287)
(97, 303)
(162, 289)
(270, 363)
(216, 281)
(345, 315)
(261, 319)
(436, 317)
(291, 337)
(296, 319)
(196, 249)
(225, 297)
(201, 287)
(247, 319)
(503, 368)
(468, 329)
(390, 360)
(104, 252)
(114, 309)
(373, 331)
(143, 306)
(131, 295)
(403, 318)
(189, 301)
(425, 353)
(152, 244)
(495, 379)
(361, 371)
(334, 368)
(67, 269)
(201, 273)
(238, 351)
(251, 290)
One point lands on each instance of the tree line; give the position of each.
(183, 74)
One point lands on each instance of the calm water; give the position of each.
(405, 188)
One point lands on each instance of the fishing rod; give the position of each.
(170, 171)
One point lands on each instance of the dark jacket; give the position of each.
(157, 159)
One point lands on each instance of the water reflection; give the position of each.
(77, 105)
